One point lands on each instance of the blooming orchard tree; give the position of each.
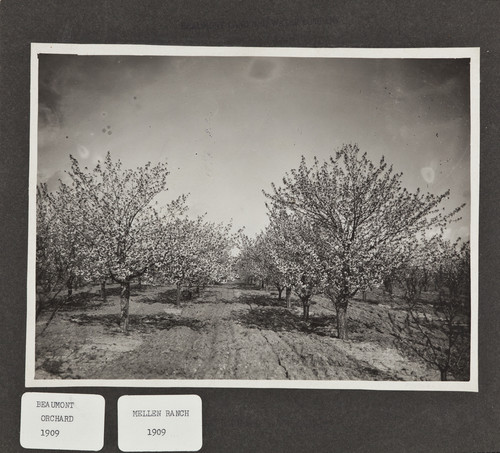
(51, 269)
(194, 253)
(250, 261)
(294, 253)
(116, 219)
(284, 254)
(362, 220)
(62, 256)
(255, 261)
(266, 250)
(438, 331)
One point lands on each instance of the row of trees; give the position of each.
(347, 225)
(105, 225)
(337, 228)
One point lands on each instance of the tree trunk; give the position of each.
(305, 309)
(124, 305)
(178, 296)
(103, 290)
(263, 284)
(280, 292)
(444, 375)
(69, 285)
(342, 319)
(364, 296)
(388, 286)
(288, 297)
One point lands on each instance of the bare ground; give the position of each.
(229, 332)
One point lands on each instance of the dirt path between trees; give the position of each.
(229, 332)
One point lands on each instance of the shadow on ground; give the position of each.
(82, 300)
(92, 299)
(140, 323)
(262, 300)
(166, 297)
(135, 289)
(283, 320)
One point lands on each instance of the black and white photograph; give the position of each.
(243, 217)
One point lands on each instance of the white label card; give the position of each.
(62, 421)
(159, 423)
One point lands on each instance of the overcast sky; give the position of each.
(229, 126)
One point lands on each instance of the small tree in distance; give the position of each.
(253, 260)
(295, 256)
(259, 261)
(363, 220)
(284, 255)
(194, 253)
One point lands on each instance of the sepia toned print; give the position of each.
(253, 217)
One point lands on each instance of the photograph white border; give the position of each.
(148, 50)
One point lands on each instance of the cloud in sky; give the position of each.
(229, 126)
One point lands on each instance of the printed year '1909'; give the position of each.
(157, 431)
